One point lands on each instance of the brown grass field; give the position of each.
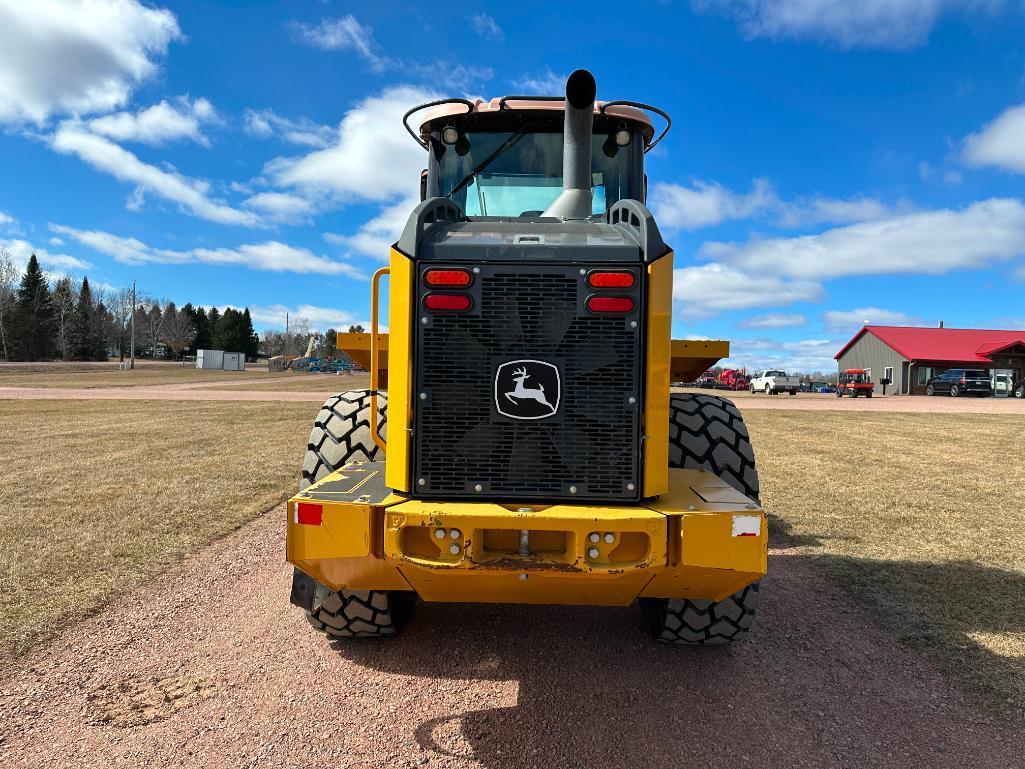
(95, 376)
(99, 495)
(918, 516)
(302, 383)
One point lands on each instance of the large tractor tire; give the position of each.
(707, 432)
(340, 435)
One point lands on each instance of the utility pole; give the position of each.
(132, 343)
(288, 339)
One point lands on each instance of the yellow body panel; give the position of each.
(683, 544)
(656, 376)
(401, 313)
(357, 347)
(690, 358)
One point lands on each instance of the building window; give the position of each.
(924, 375)
(888, 374)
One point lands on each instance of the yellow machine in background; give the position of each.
(519, 442)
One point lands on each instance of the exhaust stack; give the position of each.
(574, 202)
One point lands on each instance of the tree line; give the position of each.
(72, 321)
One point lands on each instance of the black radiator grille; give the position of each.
(528, 312)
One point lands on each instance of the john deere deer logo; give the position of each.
(527, 389)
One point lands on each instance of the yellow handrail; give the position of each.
(375, 284)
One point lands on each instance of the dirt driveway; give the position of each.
(209, 666)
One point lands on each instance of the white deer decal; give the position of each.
(527, 393)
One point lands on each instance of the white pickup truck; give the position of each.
(773, 382)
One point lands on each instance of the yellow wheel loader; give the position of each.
(519, 442)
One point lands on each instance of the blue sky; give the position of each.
(830, 162)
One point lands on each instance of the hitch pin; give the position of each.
(524, 542)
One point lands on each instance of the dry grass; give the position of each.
(921, 517)
(99, 495)
(106, 376)
(307, 383)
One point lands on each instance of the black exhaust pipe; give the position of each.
(574, 202)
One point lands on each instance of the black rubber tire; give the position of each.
(954, 392)
(363, 613)
(868, 393)
(930, 390)
(1019, 390)
(707, 431)
(340, 435)
(686, 622)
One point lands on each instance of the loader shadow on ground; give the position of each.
(805, 689)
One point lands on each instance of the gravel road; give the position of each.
(193, 391)
(209, 666)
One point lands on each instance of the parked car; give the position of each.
(961, 381)
(1002, 384)
(773, 382)
(826, 388)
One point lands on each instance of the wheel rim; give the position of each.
(953, 391)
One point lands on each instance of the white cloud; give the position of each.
(341, 34)
(190, 194)
(927, 242)
(266, 123)
(159, 124)
(803, 355)
(1001, 143)
(547, 83)
(320, 318)
(271, 255)
(346, 33)
(851, 320)
(372, 157)
(21, 250)
(487, 27)
(774, 320)
(893, 24)
(281, 206)
(376, 236)
(706, 290)
(81, 57)
(706, 204)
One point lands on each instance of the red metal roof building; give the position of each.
(909, 356)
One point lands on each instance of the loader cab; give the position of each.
(504, 158)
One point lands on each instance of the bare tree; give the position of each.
(9, 274)
(64, 295)
(176, 329)
(120, 305)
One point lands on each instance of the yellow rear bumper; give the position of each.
(702, 539)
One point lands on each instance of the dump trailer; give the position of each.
(519, 442)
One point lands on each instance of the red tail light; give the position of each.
(447, 277)
(309, 514)
(610, 279)
(610, 304)
(447, 302)
(962, 380)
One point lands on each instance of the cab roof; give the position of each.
(505, 104)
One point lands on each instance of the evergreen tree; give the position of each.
(251, 346)
(214, 324)
(328, 347)
(201, 324)
(32, 322)
(83, 342)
